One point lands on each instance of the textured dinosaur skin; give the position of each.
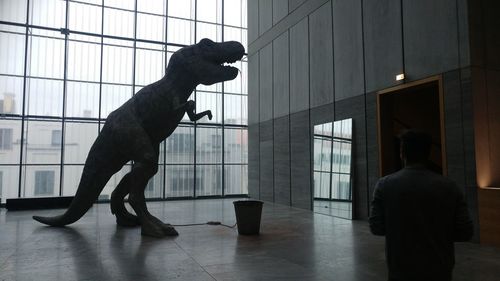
(135, 130)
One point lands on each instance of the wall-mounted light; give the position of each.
(400, 77)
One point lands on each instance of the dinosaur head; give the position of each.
(205, 61)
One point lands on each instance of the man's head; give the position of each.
(415, 146)
(204, 61)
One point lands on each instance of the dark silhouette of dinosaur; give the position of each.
(135, 130)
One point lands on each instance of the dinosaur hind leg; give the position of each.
(123, 217)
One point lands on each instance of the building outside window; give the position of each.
(44, 183)
(5, 139)
(67, 64)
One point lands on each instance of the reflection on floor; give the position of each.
(294, 245)
(333, 208)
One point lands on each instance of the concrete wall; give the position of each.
(315, 61)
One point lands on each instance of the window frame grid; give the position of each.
(66, 32)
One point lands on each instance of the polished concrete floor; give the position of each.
(294, 245)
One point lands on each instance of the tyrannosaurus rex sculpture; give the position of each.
(135, 130)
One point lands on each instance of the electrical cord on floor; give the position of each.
(207, 223)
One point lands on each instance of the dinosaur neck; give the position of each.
(178, 82)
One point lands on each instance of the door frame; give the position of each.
(392, 90)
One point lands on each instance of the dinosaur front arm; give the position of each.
(190, 107)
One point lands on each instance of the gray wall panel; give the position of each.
(253, 161)
(348, 46)
(372, 143)
(281, 86)
(463, 32)
(453, 127)
(265, 15)
(383, 43)
(299, 67)
(253, 20)
(253, 89)
(266, 171)
(280, 10)
(282, 161)
(300, 160)
(321, 56)
(266, 83)
(430, 45)
(468, 127)
(322, 114)
(266, 130)
(294, 4)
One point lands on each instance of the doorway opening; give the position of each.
(416, 105)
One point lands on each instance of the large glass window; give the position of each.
(67, 64)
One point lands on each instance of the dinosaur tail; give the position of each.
(96, 173)
(91, 185)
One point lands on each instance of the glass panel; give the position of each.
(235, 85)
(209, 101)
(40, 181)
(46, 55)
(117, 61)
(113, 182)
(209, 11)
(236, 179)
(208, 145)
(84, 59)
(153, 6)
(39, 147)
(208, 180)
(322, 185)
(10, 141)
(150, 63)
(13, 10)
(154, 188)
(235, 12)
(235, 109)
(345, 158)
(179, 180)
(82, 99)
(9, 182)
(72, 175)
(180, 146)
(181, 9)
(113, 96)
(180, 31)
(151, 27)
(12, 49)
(207, 30)
(11, 95)
(51, 13)
(84, 17)
(44, 97)
(118, 22)
(236, 146)
(236, 34)
(78, 139)
(322, 154)
(124, 4)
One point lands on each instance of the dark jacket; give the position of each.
(421, 214)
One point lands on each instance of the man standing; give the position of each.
(421, 214)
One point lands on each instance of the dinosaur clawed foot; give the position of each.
(127, 220)
(152, 226)
(123, 217)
